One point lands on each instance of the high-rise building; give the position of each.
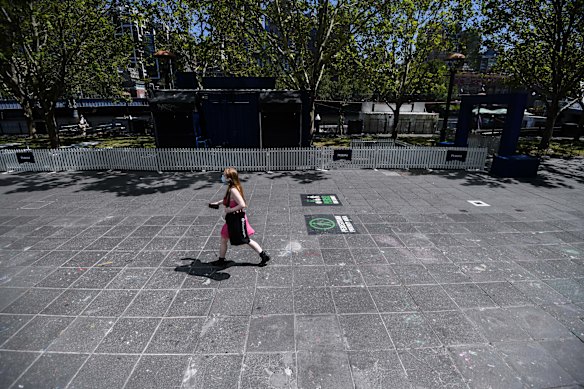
(144, 67)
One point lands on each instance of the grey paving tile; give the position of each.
(540, 293)
(482, 367)
(71, 302)
(469, 296)
(85, 259)
(539, 324)
(273, 333)
(324, 369)
(399, 255)
(337, 257)
(82, 336)
(353, 300)
(233, 301)
(430, 367)
(32, 301)
(165, 278)
(410, 330)
(308, 276)
(375, 275)
(91, 375)
(116, 259)
(38, 333)
(51, 371)
(61, 278)
(344, 275)
(128, 336)
(431, 297)
(96, 278)
(148, 259)
(191, 302)
(9, 324)
(273, 301)
(265, 371)
(25, 277)
(110, 303)
(131, 278)
(176, 336)
(223, 334)
(219, 371)
(453, 328)
(413, 274)
(497, 325)
(277, 276)
(569, 355)
(313, 300)
(307, 257)
(447, 273)
(158, 371)
(332, 242)
(570, 315)
(241, 277)
(12, 364)
(392, 299)
(150, 303)
(318, 332)
(377, 369)
(535, 366)
(571, 289)
(504, 294)
(364, 332)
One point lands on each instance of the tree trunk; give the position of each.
(550, 122)
(28, 115)
(311, 115)
(51, 124)
(395, 124)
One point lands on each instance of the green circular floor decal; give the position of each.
(322, 224)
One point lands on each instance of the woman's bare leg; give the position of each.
(223, 248)
(258, 249)
(255, 245)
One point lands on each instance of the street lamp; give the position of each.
(453, 61)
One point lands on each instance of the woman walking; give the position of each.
(234, 202)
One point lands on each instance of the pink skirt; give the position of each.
(225, 233)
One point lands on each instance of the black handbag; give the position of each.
(236, 226)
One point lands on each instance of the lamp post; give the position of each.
(453, 62)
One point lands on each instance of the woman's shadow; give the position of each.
(212, 270)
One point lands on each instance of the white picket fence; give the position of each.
(242, 159)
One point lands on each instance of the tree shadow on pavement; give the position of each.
(555, 173)
(123, 184)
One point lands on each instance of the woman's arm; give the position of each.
(236, 196)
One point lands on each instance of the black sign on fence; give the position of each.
(454, 155)
(346, 154)
(25, 157)
(329, 224)
(319, 199)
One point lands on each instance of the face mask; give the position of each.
(223, 180)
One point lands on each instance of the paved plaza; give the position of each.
(105, 281)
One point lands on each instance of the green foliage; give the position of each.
(541, 46)
(57, 48)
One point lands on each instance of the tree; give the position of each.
(207, 36)
(299, 40)
(540, 44)
(57, 48)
